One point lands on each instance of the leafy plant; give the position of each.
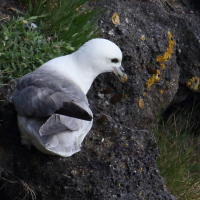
(179, 160)
(22, 50)
(70, 20)
(63, 26)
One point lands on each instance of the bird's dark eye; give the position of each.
(114, 60)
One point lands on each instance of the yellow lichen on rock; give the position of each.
(170, 84)
(143, 38)
(145, 94)
(141, 103)
(193, 84)
(161, 91)
(157, 72)
(168, 54)
(161, 59)
(170, 50)
(115, 18)
(163, 66)
(153, 79)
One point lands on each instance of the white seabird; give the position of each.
(51, 103)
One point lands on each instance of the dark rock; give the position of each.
(143, 35)
(160, 46)
(121, 166)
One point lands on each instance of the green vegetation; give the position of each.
(22, 50)
(179, 160)
(63, 26)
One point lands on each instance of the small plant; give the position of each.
(70, 20)
(179, 160)
(22, 50)
(26, 190)
(63, 26)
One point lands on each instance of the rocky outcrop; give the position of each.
(160, 46)
(147, 39)
(114, 163)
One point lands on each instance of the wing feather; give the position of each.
(42, 94)
(58, 123)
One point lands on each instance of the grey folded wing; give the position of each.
(62, 143)
(42, 94)
(58, 123)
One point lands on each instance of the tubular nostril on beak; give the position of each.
(120, 74)
(121, 68)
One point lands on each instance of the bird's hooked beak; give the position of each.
(120, 74)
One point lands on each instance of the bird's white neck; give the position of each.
(81, 72)
(82, 77)
(73, 69)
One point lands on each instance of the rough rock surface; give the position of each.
(115, 163)
(143, 36)
(161, 46)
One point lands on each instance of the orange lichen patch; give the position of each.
(126, 95)
(161, 91)
(171, 46)
(193, 84)
(115, 18)
(126, 144)
(124, 166)
(169, 85)
(168, 54)
(141, 170)
(153, 79)
(161, 59)
(145, 94)
(141, 103)
(163, 66)
(143, 38)
(157, 72)
(140, 194)
(119, 184)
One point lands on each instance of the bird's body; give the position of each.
(53, 110)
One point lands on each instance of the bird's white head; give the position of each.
(100, 56)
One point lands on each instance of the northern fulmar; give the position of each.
(51, 103)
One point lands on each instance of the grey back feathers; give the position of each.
(42, 94)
